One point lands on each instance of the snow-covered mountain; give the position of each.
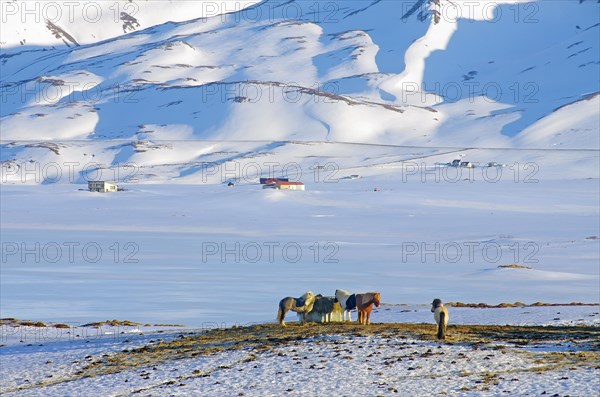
(55, 23)
(175, 95)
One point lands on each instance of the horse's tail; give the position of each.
(441, 333)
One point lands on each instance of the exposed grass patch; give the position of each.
(514, 266)
(13, 322)
(113, 323)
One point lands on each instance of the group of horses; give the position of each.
(363, 303)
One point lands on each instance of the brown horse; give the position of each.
(364, 305)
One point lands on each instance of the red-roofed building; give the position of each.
(270, 181)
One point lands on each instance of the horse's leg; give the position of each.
(368, 320)
(349, 315)
(282, 318)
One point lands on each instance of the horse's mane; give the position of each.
(374, 295)
(376, 298)
(370, 296)
(308, 296)
(342, 296)
(306, 301)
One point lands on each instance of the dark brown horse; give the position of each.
(364, 305)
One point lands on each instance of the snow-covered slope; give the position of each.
(57, 23)
(427, 73)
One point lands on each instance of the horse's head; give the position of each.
(435, 304)
(309, 297)
(377, 299)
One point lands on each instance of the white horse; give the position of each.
(348, 302)
(441, 317)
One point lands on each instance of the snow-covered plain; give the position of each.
(201, 253)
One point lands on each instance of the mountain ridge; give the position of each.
(326, 79)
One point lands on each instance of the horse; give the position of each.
(364, 305)
(347, 301)
(325, 310)
(301, 305)
(441, 317)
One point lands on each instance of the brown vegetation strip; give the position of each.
(266, 336)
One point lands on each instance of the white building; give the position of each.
(102, 186)
(289, 185)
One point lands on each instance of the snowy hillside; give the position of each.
(58, 23)
(500, 74)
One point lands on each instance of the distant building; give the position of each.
(284, 185)
(102, 186)
(459, 163)
(289, 185)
